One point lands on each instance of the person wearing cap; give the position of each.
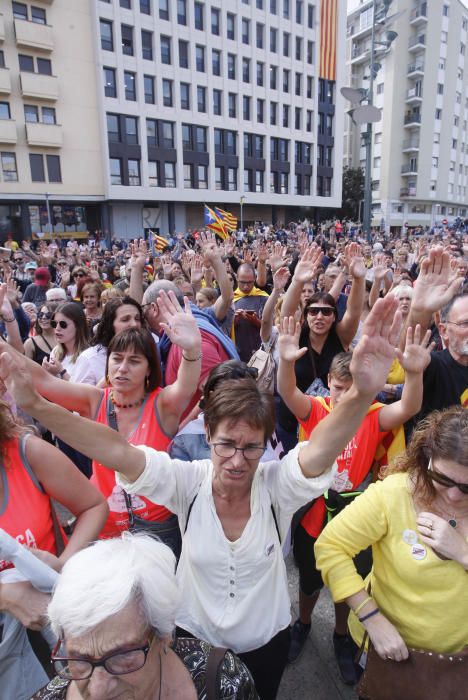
(36, 291)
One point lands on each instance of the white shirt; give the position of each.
(233, 594)
(92, 365)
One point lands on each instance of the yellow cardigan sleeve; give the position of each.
(362, 523)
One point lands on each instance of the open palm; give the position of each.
(180, 325)
(288, 342)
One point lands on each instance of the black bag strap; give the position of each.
(213, 672)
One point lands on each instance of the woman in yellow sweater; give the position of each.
(416, 520)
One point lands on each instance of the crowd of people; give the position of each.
(173, 423)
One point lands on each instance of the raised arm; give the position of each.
(138, 262)
(9, 319)
(289, 353)
(372, 358)
(280, 279)
(212, 257)
(347, 327)
(305, 271)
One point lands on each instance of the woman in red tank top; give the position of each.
(136, 406)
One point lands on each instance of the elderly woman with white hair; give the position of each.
(113, 611)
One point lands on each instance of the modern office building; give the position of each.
(420, 146)
(50, 140)
(217, 101)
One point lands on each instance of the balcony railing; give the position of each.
(413, 118)
(419, 13)
(417, 67)
(419, 40)
(33, 35)
(409, 168)
(7, 131)
(414, 94)
(410, 144)
(408, 192)
(5, 81)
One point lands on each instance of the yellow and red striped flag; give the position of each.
(228, 219)
(328, 32)
(214, 223)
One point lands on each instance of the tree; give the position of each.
(353, 193)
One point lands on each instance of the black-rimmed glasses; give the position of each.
(461, 324)
(118, 663)
(223, 449)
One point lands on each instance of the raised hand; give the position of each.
(248, 256)
(417, 352)
(196, 270)
(288, 341)
(262, 253)
(209, 247)
(306, 268)
(376, 350)
(14, 374)
(379, 267)
(139, 254)
(179, 324)
(354, 260)
(278, 256)
(433, 287)
(280, 278)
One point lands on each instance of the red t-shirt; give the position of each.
(354, 463)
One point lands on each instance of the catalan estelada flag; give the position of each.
(228, 219)
(214, 223)
(156, 243)
(328, 32)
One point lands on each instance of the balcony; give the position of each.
(48, 135)
(5, 81)
(410, 145)
(409, 169)
(419, 15)
(412, 119)
(41, 87)
(408, 192)
(359, 54)
(33, 35)
(415, 69)
(413, 96)
(2, 28)
(416, 43)
(7, 131)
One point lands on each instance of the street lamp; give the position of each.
(368, 113)
(47, 195)
(242, 200)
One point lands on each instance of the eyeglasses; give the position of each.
(324, 310)
(79, 274)
(462, 324)
(63, 263)
(119, 663)
(62, 324)
(223, 449)
(444, 480)
(18, 260)
(44, 315)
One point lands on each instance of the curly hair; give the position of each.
(441, 435)
(9, 428)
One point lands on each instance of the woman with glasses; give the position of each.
(234, 509)
(40, 345)
(71, 336)
(114, 611)
(416, 521)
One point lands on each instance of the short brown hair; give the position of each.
(141, 342)
(339, 367)
(441, 435)
(240, 400)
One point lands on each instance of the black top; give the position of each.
(39, 353)
(445, 382)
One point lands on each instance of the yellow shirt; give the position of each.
(425, 597)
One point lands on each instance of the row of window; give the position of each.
(32, 14)
(32, 113)
(163, 174)
(34, 64)
(181, 6)
(39, 163)
(165, 44)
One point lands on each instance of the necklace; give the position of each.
(125, 405)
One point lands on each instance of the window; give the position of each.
(231, 63)
(44, 66)
(216, 61)
(245, 31)
(54, 172)
(286, 9)
(153, 173)
(232, 105)
(259, 33)
(232, 179)
(310, 87)
(230, 140)
(5, 110)
(298, 48)
(217, 102)
(199, 16)
(168, 134)
(445, 10)
(166, 50)
(36, 162)
(260, 73)
(202, 173)
(201, 98)
(147, 45)
(170, 174)
(443, 37)
(134, 172)
(286, 38)
(286, 116)
(309, 120)
(298, 83)
(246, 70)
(188, 176)
(273, 113)
(127, 39)
(38, 15)
(130, 87)
(310, 16)
(200, 139)
(48, 115)
(9, 169)
(113, 128)
(299, 11)
(273, 40)
(20, 11)
(110, 86)
(148, 82)
(215, 25)
(145, 7)
(247, 180)
(126, 4)
(31, 113)
(438, 114)
(230, 26)
(310, 52)
(285, 80)
(115, 167)
(246, 107)
(454, 143)
(200, 58)
(2, 59)
(435, 162)
(183, 54)
(167, 92)
(185, 96)
(187, 141)
(273, 8)
(260, 111)
(273, 77)
(297, 118)
(440, 89)
(163, 9)
(181, 12)
(26, 63)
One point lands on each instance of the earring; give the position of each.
(147, 381)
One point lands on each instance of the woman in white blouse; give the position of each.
(234, 510)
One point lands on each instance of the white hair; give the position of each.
(56, 292)
(101, 580)
(403, 290)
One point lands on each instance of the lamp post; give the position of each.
(242, 200)
(47, 195)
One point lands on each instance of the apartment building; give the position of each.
(218, 101)
(420, 146)
(51, 171)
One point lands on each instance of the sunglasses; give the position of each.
(324, 310)
(444, 480)
(79, 274)
(62, 324)
(44, 315)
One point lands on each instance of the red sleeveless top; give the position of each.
(25, 508)
(147, 432)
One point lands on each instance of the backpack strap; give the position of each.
(189, 511)
(213, 672)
